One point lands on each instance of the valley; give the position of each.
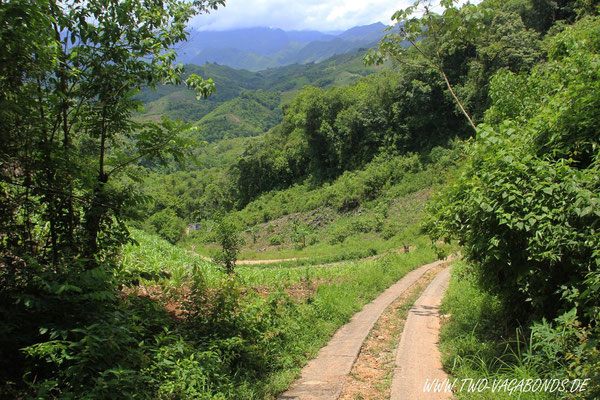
(259, 213)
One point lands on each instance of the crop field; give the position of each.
(154, 255)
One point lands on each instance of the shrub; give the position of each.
(275, 240)
(168, 225)
(389, 231)
(230, 241)
(338, 234)
(526, 208)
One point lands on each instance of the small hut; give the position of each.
(192, 228)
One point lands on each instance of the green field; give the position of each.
(285, 313)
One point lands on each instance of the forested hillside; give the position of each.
(226, 113)
(473, 130)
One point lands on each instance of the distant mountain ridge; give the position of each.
(260, 48)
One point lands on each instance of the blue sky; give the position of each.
(322, 15)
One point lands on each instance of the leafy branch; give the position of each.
(411, 31)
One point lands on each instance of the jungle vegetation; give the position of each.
(491, 112)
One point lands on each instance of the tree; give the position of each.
(423, 33)
(301, 231)
(230, 241)
(69, 71)
(526, 209)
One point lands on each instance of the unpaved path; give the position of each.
(418, 358)
(280, 260)
(323, 377)
(249, 262)
(273, 261)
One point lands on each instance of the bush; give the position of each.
(181, 370)
(168, 225)
(526, 208)
(230, 241)
(338, 234)
(99, 358)
(275, 240)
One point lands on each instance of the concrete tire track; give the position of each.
(323, 377)
(418, 358)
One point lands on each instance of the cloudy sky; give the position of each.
(322, 15)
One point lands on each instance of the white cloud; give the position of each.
(322, 15)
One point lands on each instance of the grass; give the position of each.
(288, 329)
(477, 344)
(268, 320)
(356, 285)
(153, 255)
(386, 203)
(376, 361)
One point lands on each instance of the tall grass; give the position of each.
(477, 343)
(153, 254)
(263, 340)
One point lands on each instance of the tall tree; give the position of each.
(419, 22)
(69, 71)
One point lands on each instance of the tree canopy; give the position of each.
(68, 74)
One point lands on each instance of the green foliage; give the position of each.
(568, 348)
(244, 336)
(228, 238)
(477, 342)
(347, 193)
(85, 343)
(381, 205)
(299, 233)
(275, 240)
(249, 114)
(528, 198)
(328, 132)
(463, 46)
(526, 210)
(180, 370)
(69, 71)
(168, 225)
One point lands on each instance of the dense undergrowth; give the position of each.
(479, 341)
(224, 337)
(88, 314)
(526, 212)
(380, 205)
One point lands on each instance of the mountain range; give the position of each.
(255, 49)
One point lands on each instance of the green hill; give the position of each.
(481, 141)
(247, 103)
(249, 114)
